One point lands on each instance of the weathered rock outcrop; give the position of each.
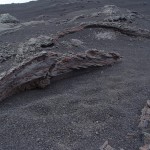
(7, 18)
(144, 125)
(33, 46)
(112, 13)
(124, 29)
(38, 71)
(115, 14)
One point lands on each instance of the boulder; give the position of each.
(7, 18)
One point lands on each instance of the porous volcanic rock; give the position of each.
(7, 18)
(38, 71)
(33, 46)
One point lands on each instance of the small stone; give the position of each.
(148, 103)
(110, 9)
(109, 148)
(131, 135)
(76, 42)
(104, 145)
(145, 147)
(143, 124)
(38, 139)
(96, 132)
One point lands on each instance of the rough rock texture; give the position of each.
(33, 46)
(145, 125)
(110, 9)
(124, 29)
(146, 147)
(113, 13)
(76, 42)
(38, 71)
(145, 117)
(7, 18)
(106, 146)
(110, 35)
